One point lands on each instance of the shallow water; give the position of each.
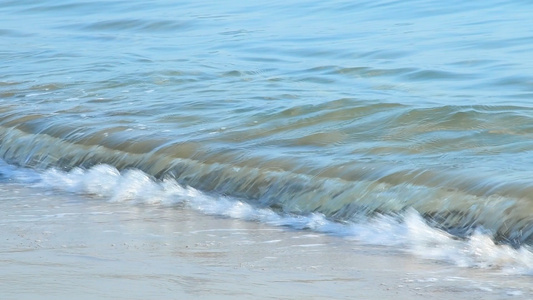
(348, 111)
(56, 244)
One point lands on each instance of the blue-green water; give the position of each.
(346, 109)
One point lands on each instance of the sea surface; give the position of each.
(397, 123)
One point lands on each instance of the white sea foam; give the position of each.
(409, 233)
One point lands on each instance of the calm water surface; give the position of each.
(349, 109)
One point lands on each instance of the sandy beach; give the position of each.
(61, 245)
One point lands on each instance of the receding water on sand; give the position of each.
(60, 245)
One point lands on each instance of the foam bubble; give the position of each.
(478, 250)
(107, 182)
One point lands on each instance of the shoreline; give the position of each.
(59, 245)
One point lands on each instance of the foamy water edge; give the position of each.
(408, 233)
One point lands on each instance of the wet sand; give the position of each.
(59, 246)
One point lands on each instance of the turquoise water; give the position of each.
(350, 110)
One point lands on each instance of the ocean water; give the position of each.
(396, 123)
